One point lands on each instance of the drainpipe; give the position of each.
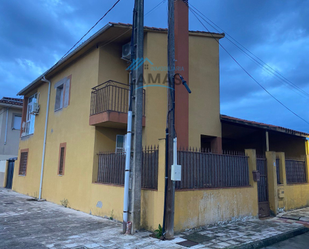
(45, 134)
(6, 126)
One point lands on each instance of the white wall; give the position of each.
(2, 171)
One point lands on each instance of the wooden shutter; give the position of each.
(67, 92)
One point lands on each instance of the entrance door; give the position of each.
(9, 179)
(264, 210)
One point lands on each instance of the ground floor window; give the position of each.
(23, 161)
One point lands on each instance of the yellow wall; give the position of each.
(295, 195)
(111, 66)
(156, 96)
(71, 126)
(201, 207)
(204, 101)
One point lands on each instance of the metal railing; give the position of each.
(208, 170)
(261, 166)
(111, 96)
(295, 171)
(111, 168)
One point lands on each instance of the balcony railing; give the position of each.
(111, 96)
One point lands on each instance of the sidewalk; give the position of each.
(31, 224)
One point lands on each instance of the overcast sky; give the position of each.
(34, 34)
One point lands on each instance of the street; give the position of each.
(298, 242)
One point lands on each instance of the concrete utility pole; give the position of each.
(170, 198)
(137, 106)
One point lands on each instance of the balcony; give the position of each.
(110, 105)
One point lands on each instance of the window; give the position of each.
(59, 98)
(23, 160)
(62, 93)
(16, 123)
(121, 143)
(62, 152)
(30, 117)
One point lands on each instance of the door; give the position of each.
(9, 179)
(264, 210)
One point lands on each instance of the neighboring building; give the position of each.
(87, 115)
(10, 124)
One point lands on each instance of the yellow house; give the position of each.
(87, 98)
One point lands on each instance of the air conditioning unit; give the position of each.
(35, 108)
(126, 51)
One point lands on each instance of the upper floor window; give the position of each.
(16, 123)
(30, 116)
(62, 93)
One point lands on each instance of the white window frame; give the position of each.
(61, 88)
(30, 118)
(13, 121)
(119, 148)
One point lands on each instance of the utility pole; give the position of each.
(170, 197)
(137, 117)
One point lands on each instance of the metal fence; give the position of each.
(209, 170)
(261, 166)
(295, 171)
(111, 96)
(111, 168)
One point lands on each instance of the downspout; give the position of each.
(45, 134)
(6, 126)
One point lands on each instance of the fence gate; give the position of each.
(9, 179)
(264, 210)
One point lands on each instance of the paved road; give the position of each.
(298, 242)
(31, 224)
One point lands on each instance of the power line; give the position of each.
(91, 28)
(194, 13)
(105, 44)
(256, 59)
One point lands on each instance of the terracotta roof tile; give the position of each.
(11, 101)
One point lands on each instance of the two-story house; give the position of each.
(78, 109)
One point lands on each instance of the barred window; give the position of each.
(62, 159)
(23, 162)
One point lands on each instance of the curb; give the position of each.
(273, 240)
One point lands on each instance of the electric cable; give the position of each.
(253, 57)
(195, 14)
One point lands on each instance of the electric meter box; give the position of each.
(176, 173)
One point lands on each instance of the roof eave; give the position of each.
(11, 106)
(60, 62)
(268, 128)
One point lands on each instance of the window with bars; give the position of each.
(61, 159)
(23, 162)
